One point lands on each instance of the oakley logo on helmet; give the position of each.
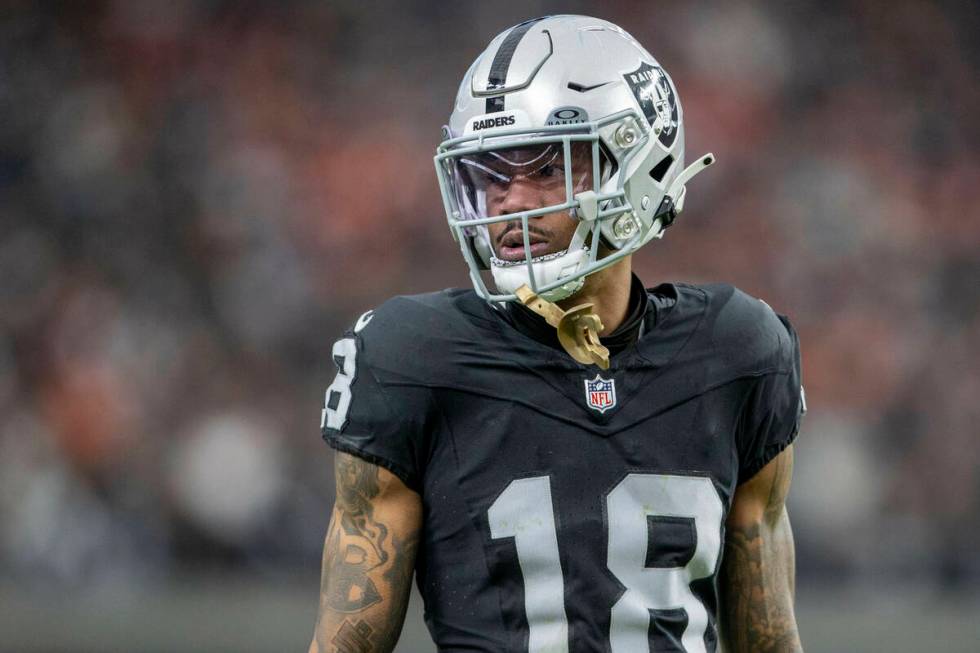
(567, 116)
(655, 95)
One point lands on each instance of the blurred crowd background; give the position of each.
(196, 198)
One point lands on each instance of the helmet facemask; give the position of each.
(512, 180)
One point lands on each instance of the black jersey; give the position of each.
(568, 508)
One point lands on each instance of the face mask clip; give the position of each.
(578, 328)
(588, 206)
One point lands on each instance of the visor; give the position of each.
(485, 180)
(518, 175)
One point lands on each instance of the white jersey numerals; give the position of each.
(640, 496)
(337, 399)
(524, 511)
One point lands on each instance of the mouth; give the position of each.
(510, 246)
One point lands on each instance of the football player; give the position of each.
(564, 460)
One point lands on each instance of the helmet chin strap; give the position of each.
(547, 269)
(578, 328)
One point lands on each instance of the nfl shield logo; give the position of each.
(600, 394)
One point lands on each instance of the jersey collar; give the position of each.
(638, 321)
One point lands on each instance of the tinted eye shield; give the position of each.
(468, 164)
(544, 165)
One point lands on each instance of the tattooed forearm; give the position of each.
(757, 595)
(399, 578)
(346, 585)
(757, 579)
(357, 487)
(355, 542)
(368, 560)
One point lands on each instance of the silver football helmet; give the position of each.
(546, 94)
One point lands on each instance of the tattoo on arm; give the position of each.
(757, 577)
(367, 566)
(399, 578)
(758, 601)
(355, 541)
(351, 638)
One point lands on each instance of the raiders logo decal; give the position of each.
(655, 94)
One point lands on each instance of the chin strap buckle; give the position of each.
(578, 328)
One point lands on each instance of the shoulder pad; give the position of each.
(400, 338)
(747, 334)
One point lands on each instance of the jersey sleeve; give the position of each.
(774, 407)
(374, 411)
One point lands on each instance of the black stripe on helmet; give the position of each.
(501, 62)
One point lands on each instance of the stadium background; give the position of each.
(197, 198)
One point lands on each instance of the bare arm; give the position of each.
(368, 560)
(757, 581)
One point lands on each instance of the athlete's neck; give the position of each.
(609, 292)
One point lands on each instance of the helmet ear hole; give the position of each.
(660, 170)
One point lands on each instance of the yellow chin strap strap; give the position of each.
(578, 328)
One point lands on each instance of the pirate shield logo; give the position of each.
(654, 93)
(600, 394)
